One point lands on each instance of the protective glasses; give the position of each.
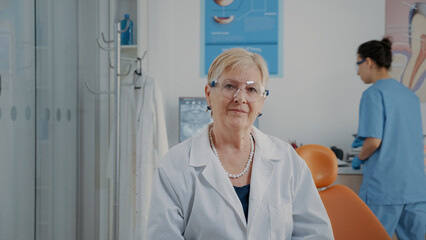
(253, 92)
(359, 63)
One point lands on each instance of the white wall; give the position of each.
(317, 99)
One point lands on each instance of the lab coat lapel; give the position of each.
(263, 167)
(213, 173)
(219, 181)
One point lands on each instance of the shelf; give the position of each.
(131, 47)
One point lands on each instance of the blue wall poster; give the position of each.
(255, 25)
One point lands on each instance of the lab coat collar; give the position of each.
(264, 145)
(201, 153)
(266, 154)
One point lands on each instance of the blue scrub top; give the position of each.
(394, 174)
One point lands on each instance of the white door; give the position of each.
(17, 119)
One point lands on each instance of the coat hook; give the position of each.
(128, 71)
(94, 91)
(106, 41)
(102, 47)
(125, 29)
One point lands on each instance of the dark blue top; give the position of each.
(243, 194)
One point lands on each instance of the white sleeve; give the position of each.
(160, 137)
(310, 219)
(165, 216)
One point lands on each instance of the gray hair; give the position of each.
(237, 58)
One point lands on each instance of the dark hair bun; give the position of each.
(379, 51)
(387, 43)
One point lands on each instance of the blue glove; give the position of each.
(356, 163)
(358, 142)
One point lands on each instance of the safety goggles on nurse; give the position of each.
(253, 92)
(359, 63)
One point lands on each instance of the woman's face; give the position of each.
(235, 112)
(363, 69)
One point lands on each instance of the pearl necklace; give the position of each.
(248, 162)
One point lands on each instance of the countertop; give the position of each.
(346, 168)
(349, 170)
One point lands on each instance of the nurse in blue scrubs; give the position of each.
(390, 133)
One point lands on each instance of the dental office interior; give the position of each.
(61, 65)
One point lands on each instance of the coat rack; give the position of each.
(117, 80)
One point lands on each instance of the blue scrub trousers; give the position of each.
(408, 220)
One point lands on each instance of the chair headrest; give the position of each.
(321, 161)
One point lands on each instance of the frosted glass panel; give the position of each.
(38, 119)
(17, 132)
(56, 88)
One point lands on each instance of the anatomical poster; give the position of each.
(406, 24)
(255, 25)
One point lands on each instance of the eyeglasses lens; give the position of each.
(253, 92)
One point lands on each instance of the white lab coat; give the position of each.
(143, 142)
(151, 146)
(126, 219)
(193, 198)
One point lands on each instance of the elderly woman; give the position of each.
(232, 181)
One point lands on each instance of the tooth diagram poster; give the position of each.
(255, 25)
(406, 24)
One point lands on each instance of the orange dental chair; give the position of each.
(350, 217)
